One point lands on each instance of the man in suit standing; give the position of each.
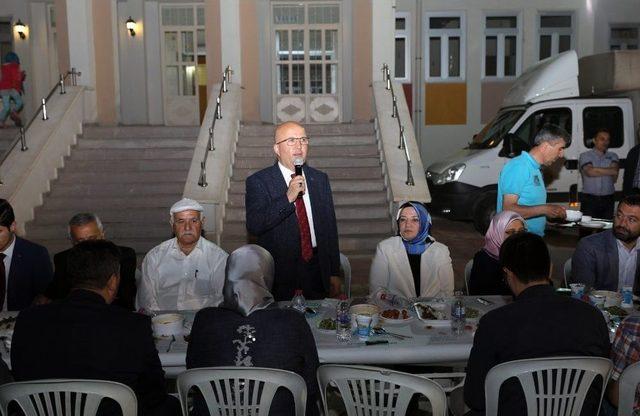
(292, 215)
(609, 260)
(85, 337)
(83, 227)
(25, 269)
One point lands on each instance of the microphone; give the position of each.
(297, 163)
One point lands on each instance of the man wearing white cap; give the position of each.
(185, 272)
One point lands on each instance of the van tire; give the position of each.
(484, 210)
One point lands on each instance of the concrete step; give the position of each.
(135, 132)
(75, 166)
(267, 141)
(44, 215)
(339, 198)
(318, 162)
(348, 212)
(71, 189)
(337, 185)
(312, 129)
(99, 202)
(114, 231)
(378, 226)
(334, 173)
(126, 178)
(362, 150)
(131, 154)
(137, 143)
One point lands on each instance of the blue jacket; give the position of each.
(29, 274)
(272, 219)
(595, 263)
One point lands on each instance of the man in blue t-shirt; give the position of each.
(521, 187)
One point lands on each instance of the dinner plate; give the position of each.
(593, 224)
(390, 321)
(439, 307)
(437, 322)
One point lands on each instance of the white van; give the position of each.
(464, 185)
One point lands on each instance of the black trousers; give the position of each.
(598, 206)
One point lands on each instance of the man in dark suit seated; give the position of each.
(609, 260)
(289, 208)
(539, 323)
(83, 227)
(85, 337)
(25, 269)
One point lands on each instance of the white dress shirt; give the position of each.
(8, 253)
(286, 173)
(627, 260)
(172, 280)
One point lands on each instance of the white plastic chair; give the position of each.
(345, 268)
(627, 385)
(64, 397)
(372, 390)
(562, 391)
(567, 272)
(241, 390)
(467, 273)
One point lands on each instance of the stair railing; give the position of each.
(402, 145)
(226, 79)
(21, 137)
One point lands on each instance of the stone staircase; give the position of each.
(348, 153)
(7, 135)
(129, 176)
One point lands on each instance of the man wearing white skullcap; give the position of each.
(185, 272)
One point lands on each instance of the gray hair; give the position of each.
(551, 132)
(84, 218)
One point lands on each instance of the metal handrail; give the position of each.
(21, 136)
(402, 145)
(226, 79)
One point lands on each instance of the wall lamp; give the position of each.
(21, 28)
(131, 26)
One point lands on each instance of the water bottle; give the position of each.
(298, 301)
(343, 320)
(458, 314)
(391, 298)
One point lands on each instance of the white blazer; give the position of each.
(391, 269)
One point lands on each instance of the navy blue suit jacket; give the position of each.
(29, 274)
(272, 219)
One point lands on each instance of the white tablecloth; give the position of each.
(428, 345)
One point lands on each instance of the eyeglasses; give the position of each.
(291, 141)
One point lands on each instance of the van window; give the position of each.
(594, 118)
(527, 131)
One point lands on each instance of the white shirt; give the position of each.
(286, 173)
(172, 280)
(8, 252)
(627, 260)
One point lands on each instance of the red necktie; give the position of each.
(305, 231)
(3, 279)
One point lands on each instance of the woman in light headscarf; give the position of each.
(412, 264)
(249, 330)
(486, 277)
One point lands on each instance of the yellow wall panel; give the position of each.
(445, 103)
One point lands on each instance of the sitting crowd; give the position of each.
(85, 318)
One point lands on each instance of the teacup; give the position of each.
(573, 215)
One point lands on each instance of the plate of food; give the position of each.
(395, 316)
(432, 313)
(472, 315)
(616, 311)
(327, 326)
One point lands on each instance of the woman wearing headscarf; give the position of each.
(486, 277)
(249, 330)
(412, 264)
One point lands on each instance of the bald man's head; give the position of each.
(286, 150)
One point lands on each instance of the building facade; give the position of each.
(311, 61)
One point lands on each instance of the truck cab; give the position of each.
(464, 185)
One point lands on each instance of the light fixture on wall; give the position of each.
(131, 26)
(21, 28)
